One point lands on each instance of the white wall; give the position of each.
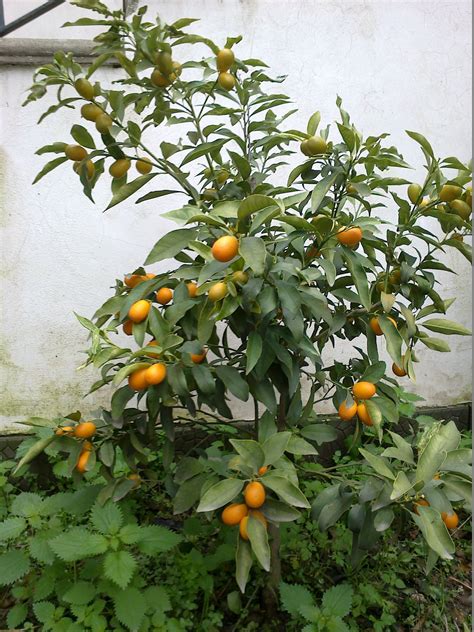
(397, 65)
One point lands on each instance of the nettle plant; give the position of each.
(268, 276)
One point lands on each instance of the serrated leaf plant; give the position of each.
(262, 278)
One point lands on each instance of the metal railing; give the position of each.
(127, 5)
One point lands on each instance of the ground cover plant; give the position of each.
(269, 278)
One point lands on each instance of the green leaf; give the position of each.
(393, 339)
(250, 451)
(204, 379)
(82, 136)
(300, 446)
(27, 504)
(220, 494)
(277, 511)
(107, 518)
(78, 543)
(421, 140)
(286, 490)
(254, 203)
(254, 350)
(348, 135)
(320, 433)
(253, 250)
(119, 567)
(383, 519)
(80, 594)
(434, 531)
(274, 447)
(403, 450)
(358, 274)
(188, 493)
(49, 166)
(435, 344)
(44, 611)
(401, 485)
(338, 600)
(258, 537)
(11, 528)
(243, 563)
(446, 327)
(203, 149)
(374, 372)
(130, 607)
(321, 190)
(293, 597)
(445, 438)
(379, 464)
(157, 539)
(170, 245)
(233, 381)
(13, 566)
(313, 123)
(128, 189)
(17, 615)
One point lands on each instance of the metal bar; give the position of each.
(5, 29)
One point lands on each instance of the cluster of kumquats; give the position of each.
(163, 76)
(84, 431)
(239, 513)
(451, 520)
(361, 392)
(224, 249)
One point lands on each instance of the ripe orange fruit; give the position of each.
(363, 414)
(103, 123)
(197, 358)
(254, 495)
(398, 371)
(244, 523)
(132, 280)
(240, 277)
(137, 380)
(316, 145)
(224, 59)
(450, 192)
(423, 502)
(192, 289)
(375, 326)
(82, 461)
(139, 311)
(90, 168)
(156, 373)
(234, 513)
(75, 152)
(451, 520)
(225, 248)
(128, 327)
(149, 275)
(364, 390)
(62, 430)
(226, 81)
(85, 430)
(164, 295)
(262, 470)
(143, 165)
(349, 236)
(84, 88)
(153, 343)
(217, 292)
(90, 111)
(119, 168)
(346, 413)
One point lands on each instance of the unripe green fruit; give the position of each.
(414, 192)
(304, 148)
(222, 176)
(90, 111)
(103, 123)
(119, 168)
(240, 277)
(450, 192)
(461, 208)
(209, 195)
(84, 88)
(164, 61)
(316, 145)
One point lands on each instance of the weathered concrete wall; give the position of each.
(397, 65)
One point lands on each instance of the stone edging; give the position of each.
(21, 51)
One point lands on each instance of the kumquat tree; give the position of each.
(267, 278)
